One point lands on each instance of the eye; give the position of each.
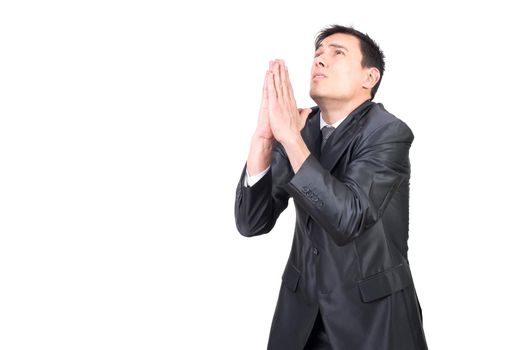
(339, 52)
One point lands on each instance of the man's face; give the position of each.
(337, 72)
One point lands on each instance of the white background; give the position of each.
(124, 128)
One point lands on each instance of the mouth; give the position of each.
(317, 77)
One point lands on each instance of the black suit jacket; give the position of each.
(348, 259)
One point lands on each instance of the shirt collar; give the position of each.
(335, 124)
(338, 122)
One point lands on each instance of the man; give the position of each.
(345, 163)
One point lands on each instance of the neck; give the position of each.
(333, 111)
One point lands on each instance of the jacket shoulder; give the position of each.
(378, 120)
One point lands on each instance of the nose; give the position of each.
(319, 61)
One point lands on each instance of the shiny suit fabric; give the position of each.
(348, 262)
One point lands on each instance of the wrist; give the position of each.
(263, 133)
(292, 139)
(296, 149)
(259, 154)
(261, 141)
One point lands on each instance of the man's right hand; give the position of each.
(262, 141)
(263, 129)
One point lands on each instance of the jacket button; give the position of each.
(315, 251)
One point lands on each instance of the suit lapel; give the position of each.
(339, 141)
(311, 132)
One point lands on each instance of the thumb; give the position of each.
(304, 112)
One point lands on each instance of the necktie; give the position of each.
(326, 133)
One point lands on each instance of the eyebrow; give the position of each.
(338, 46)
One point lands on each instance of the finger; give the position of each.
(289, 88)
(264, 90)
(271, 93)
(277, 79)
(285, 82)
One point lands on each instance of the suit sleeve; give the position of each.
(346, 205)
(258, 207)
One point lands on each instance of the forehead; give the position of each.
(347, 40)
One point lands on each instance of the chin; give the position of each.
(317, 96)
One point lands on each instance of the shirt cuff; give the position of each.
(252, 180)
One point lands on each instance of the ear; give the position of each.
(371, 79)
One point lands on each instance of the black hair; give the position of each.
(372, 56)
